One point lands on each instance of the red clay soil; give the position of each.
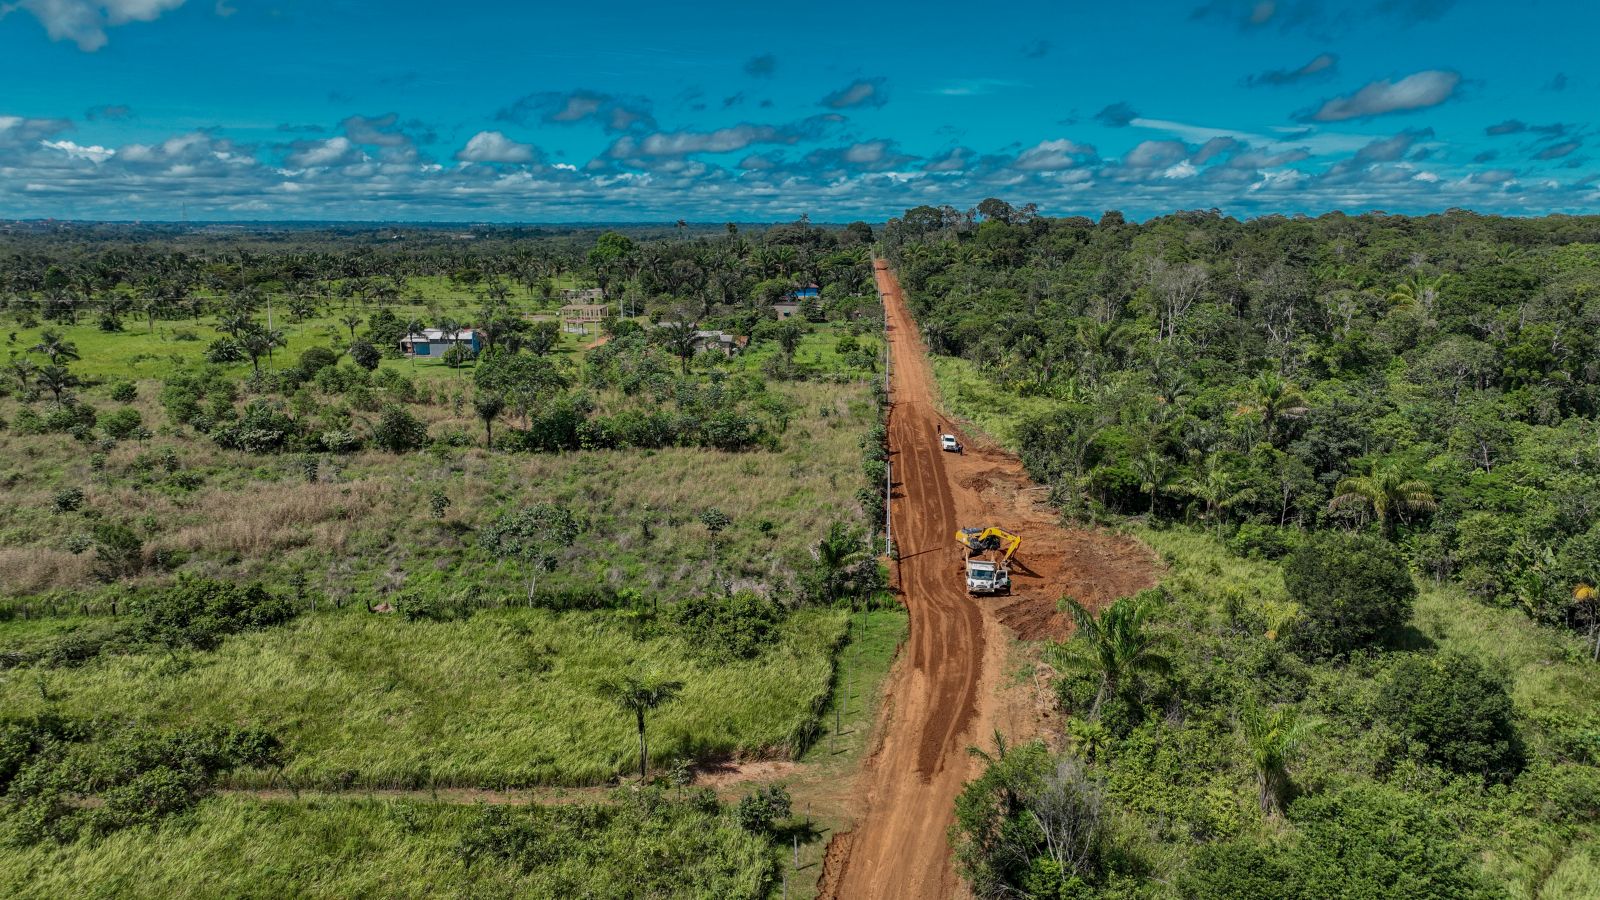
(945, 693)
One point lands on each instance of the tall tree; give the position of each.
(1272, 739)
(1115, 646)
(1387, 494)
(640, 694)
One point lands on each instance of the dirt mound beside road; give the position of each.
(948, 690)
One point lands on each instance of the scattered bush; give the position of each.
(1262, 541)
(365, 355)
(124, 392)
(200, 612)
(1351, 590)
(118, 549)
(67, 500)
(121, 424)
(140, 776)
(620, 849)
(761, 809)
(315, 359)
(399, 431)
(728, 628)
(264, 428)
(1458, 713)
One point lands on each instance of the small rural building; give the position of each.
(786, 309)
(582, 295)
(434, 342)
(720, 342)
(578, 318)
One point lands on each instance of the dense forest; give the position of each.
(1367, 447)
(1433, 380)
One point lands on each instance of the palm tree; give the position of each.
(1418, 291)
(1116, 646)
(1276, 399)
(681, 338)
(57, 380)
(639, 694)
(23, 369)
(1221, 490)
(54, 346)
(351, 320)
(837, 551)
(1153, 471)
(488, 406)
(1272, 740)
(1387, 493)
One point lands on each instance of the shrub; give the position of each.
(225, 350)
(762, 809)
(118, 549)
(338, 440)
(124, 392)
(1459, 713)
(121, 424)
(365, 355)
(67, 500)
(1031, 825)
(315, 359)
(1351, 590)
(1377, 841)
(1238, 870)
(262, 429)
(399, 431)
(724, 628)
(140, 776)
(1262, 541)
(200, 612)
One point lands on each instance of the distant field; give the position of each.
(365, 530)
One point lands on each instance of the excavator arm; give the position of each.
(977, 540)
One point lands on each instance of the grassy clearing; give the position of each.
(364, 529)
(968, 394)
(504, 698)
(343, 848)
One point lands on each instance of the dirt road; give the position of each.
(946, 692)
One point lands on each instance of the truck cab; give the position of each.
(985, 577)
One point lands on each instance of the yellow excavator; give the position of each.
(993, 575)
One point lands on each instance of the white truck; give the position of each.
(985, 577)
(988, 558)
(949, 444)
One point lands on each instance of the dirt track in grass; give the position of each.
(948, 690)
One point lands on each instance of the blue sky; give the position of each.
(479, 111)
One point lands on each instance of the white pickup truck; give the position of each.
(949, 444)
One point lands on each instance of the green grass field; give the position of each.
(234, 847)
(506, 698)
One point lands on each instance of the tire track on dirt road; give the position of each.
(935, 692)
(946, 693)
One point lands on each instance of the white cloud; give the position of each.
(335, 151)
(495, 147)
(1418, 91)
(861, 92)
(84, 22)
(1053, 156)
(93, 153)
